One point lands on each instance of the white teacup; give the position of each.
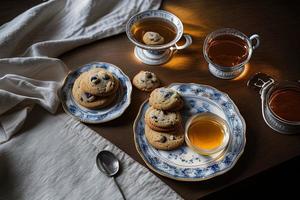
(157, 54)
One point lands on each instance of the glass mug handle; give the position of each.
(259, 81)
(188, 42)
(256, 38)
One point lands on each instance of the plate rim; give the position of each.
(191, 179)
(128, 102)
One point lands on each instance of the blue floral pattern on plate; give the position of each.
(183, 163)
(111, 112)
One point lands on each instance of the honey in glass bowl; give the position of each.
(207, 133)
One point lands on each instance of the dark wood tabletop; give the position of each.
(277, 55)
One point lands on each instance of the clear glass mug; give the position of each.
(229, 72)
(267, 87)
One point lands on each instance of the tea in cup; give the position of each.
(280, 102)
(155, 34)
(227, 51)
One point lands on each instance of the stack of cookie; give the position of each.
(95, 88)
(163, 127)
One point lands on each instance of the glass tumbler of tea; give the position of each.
(227, 51)
(280, 102)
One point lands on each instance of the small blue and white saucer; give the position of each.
(116, 109)
(184, 164)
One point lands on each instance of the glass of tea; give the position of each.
(280, 102)
(155, 34)
(227, 51)
(207, 133)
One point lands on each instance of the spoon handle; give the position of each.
(119, 188)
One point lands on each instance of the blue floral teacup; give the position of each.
(162, 53)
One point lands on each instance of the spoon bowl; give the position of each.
(109, 164)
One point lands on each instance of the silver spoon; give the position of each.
(108, 163)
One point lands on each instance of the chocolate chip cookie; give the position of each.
(153, 38)
(163, 121)
(88, 100)
(146, 81)
(165, 99)
(164, 140)
(99, 82)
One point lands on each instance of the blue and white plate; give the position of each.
(184, 164)
(108, 113)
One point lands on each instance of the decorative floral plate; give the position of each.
(108, 113)
(184, 164)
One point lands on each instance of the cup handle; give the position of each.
(188, 42)
(256, 38)
(259, 81)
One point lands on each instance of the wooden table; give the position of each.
(275, 22)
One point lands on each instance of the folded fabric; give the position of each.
(23, 83)
(57, 26)
(29, 44)
(53, 156)
(55, 159)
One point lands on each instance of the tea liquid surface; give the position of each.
(285, 103)
(206, 132)
(164, 28)
(227, 50)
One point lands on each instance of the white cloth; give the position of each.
(23, 83)
(53, 157)
(45, 32)
(59, 164)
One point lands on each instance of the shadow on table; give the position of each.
(182, 59)
(280, 181)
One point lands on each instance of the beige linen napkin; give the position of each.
(30, 44)
(55, 159)
(53, 156)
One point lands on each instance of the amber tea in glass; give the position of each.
(227, 50)
(158, 25)
(280, 102)
(155, 34)
(207, 133)
(285, 103)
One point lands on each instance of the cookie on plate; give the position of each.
(164, 140)
(99, 82)
(163, 121)
(165, 99)
(146, 81)
(88, 100)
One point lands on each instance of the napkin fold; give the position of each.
(53, 156)
(60, 164)
(25, 82)
(30, 74)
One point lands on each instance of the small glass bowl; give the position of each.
(226, 131)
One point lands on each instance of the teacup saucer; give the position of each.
(151, 58)
(115, 110)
